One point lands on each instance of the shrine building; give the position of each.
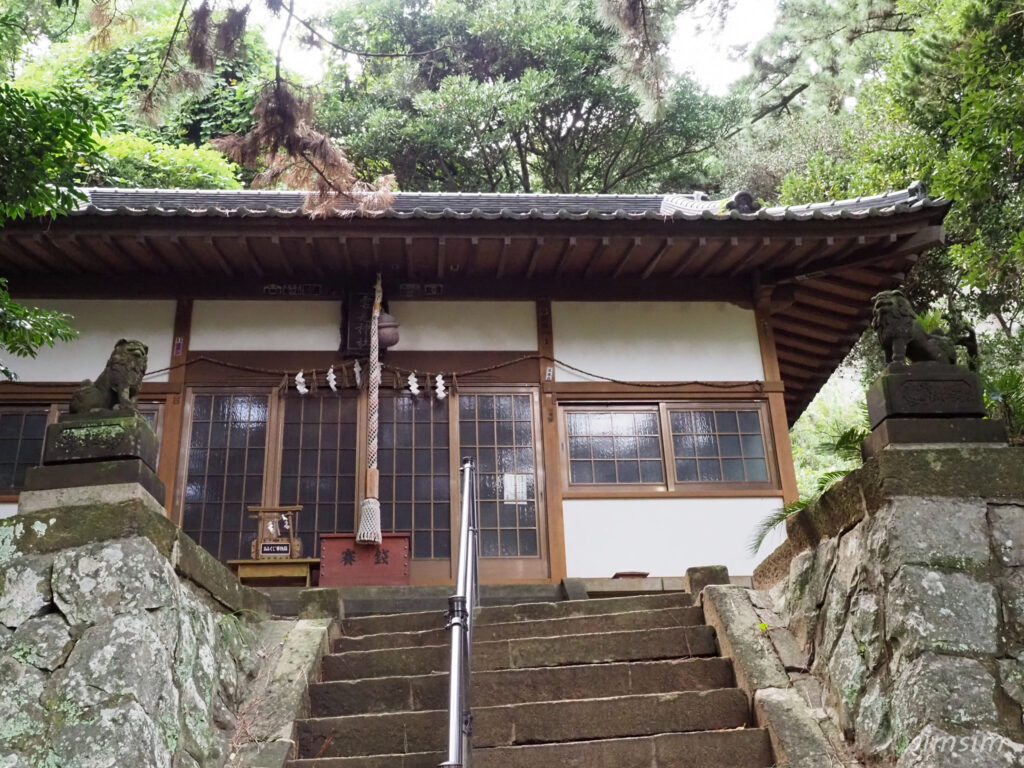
(622, 369)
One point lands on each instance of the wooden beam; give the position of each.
(634, 243)
(689, 254)
(31, 262)
(807, 361)
(502, 257)
(568, 247)
(254, 257)
(218, 256)
(841, 255)
(150, 263)
(659, 254)
(193, 263)
(407, 251)
(709, 265)
(552, 463)
(809, 315)
(747, 259)
(312, 254)
(791, 370)
(98, 256)
(346, 256)
(37, 249)
(441, 243)
(73, 254)
(779, 432)
(280, 257)
(790, 342)
(143, 242)
(841, 306)
(538, 243)
(595, 257)
(174, 409)
(835, 286)
(914, 245)
(811, 331)
(455, 286)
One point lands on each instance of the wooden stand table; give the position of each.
(270, 569)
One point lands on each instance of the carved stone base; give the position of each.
(895, 431)
(86, 450)
(91, 473)
(119, 436)
(925, 390)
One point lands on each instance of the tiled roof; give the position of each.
(457, 205)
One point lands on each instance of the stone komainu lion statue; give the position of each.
(902, 336)
(118, 385)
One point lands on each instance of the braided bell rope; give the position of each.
(369, 510)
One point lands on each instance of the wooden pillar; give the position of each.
(549, 434)
(174, 408)
(776, 400)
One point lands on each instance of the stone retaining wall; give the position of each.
(905, 586)
(124, 645)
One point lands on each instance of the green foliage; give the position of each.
(826, 448)
(24, 329)
(821, 53)
(947, 113)
(197, 107)
(509, 95)
(45, 136)
(135, 161)
(1004, 397)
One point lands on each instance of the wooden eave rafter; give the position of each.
(832, 267)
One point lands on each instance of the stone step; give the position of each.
(284, 601)
(369, 601)
(498, 687)
(741, 748)
(503, 614)
(530, 723)
(519, 653)
(664, 617)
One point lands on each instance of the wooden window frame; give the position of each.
(670, 488)
(540, 500)
(272, 447)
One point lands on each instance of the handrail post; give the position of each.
(460, 622)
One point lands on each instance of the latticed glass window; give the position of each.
(415, 472)
(318, 465)
(22, 430)
(226, 456)
(498, 432)
(718, 446)
(615, 446)
(696, 443)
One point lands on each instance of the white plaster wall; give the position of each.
(661, 536)
(8, 510)
(657, 341)
(465, 326)
(100, 323)
(265, 325)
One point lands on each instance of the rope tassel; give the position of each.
(369, 509)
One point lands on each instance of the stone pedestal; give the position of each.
(84, 450)
(928, 403)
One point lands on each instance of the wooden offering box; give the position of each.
(343, 563)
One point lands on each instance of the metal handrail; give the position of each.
(460, 623)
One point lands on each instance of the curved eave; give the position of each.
(825, 262)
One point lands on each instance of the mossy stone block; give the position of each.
(100, 439)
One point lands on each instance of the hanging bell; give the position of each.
(387, 330)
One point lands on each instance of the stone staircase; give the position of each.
(598, 683)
